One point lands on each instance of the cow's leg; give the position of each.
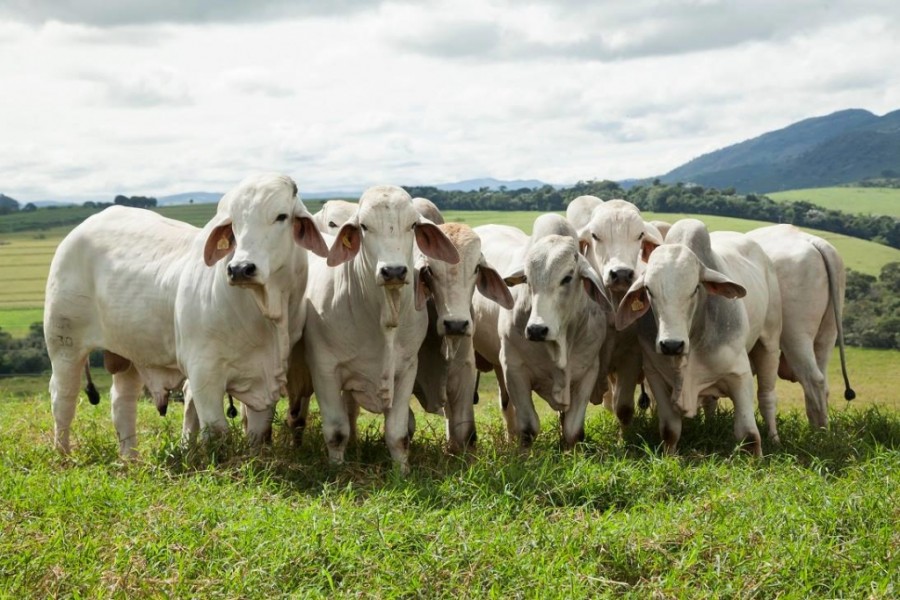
(669, 418)
(506, 407)
(396, 419)
(527, 423)
(124, 394)
(628, 372)
(764, 357)
(352, 408)
(191, 425)
(803, 356)
(298, 413)
(573, 418)
(258, 425)
(460, 411)
(335, 423)
(745, 429)
(207, 394)
(710, 405)
(64, 388)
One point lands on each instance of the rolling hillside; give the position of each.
(842, 147)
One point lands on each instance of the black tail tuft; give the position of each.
(643, 399)
(92, 393)
(475, 397)
(163, 409)
(849, 394)
(232, 411)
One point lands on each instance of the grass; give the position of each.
(815, 518)
(854, 200)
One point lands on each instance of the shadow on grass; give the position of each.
(610, 471)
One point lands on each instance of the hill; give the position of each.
(842, 147)
(853, 200)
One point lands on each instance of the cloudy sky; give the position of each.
(167, 96)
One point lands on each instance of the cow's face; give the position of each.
(256, 225)
(675, 285)
(451, 285)
(616, 240)
(382, 234)
(556, 275)
(333, 215)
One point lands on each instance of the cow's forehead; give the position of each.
(259, 194)
(616, 219)
(552, 253)
(673, 265)
(387, 202)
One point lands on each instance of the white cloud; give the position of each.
(158, 98)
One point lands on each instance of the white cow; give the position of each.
(550, 340)
(362, 331)
(579, 210)
(617, 241)
(157, 296)
(812, 278)
(446, 379)
(333, 214)
(698, 341)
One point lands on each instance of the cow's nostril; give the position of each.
(452, 327)
(250, 270)
(230, 272)
(623, 275)
(671, 347)
(537, 333)
(393, 273)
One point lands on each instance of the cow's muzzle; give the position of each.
(393, 275)
(456, 327)
(242, 272)
(671, 347)
(537, 333)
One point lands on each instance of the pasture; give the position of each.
(815, 517)
(853, 200)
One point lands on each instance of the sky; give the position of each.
(166, 96)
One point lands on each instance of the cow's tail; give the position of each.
(837, 301)
(89, 389)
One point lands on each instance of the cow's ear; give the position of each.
(346, 244)
(592, 284)
(422, 280)
(220, 242)
(307, 235)
(517, 277)
(492, 286)
(433, 243)
(651, 240)
(634, 305)
(718, 284)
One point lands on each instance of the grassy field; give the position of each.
(816, 517)
(854, 200)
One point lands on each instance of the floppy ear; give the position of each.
(433, 243)
(592, 285)
(718, 284)
(516, 277)
(307, 235)
(651, 240)
(346, 244)
(220, 242)
(634, 305)
(492, 286)
(422, 281)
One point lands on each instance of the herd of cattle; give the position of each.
(369, 303)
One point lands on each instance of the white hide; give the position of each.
(363, 331)
(157, 294)
(716, 319)
(812, 280)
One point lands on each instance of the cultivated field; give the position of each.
(861, 200)
(25, 256)
(816, 517)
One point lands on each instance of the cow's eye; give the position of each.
(332, 224)
(413, 227)
(363, 227)
(596, 237)
(696, 289)
(649, 294)
(281, 218)
(566, 280)
(641, 236)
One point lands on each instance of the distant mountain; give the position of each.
(469, 185)
(185, 198)
(842, 147)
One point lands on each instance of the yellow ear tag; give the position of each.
(637, 305)
(346, 241)
(223, 244)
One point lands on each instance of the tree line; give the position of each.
(673, 198)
